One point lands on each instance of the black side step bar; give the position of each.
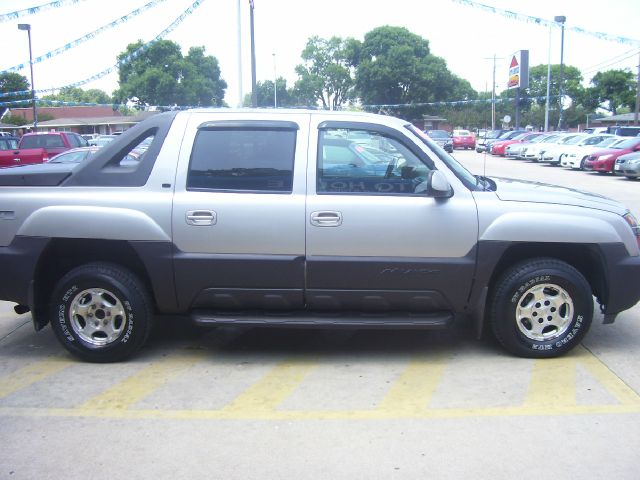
(436, 320)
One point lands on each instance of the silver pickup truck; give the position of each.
(306, 219)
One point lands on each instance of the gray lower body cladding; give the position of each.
(182, 282)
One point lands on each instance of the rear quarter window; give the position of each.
(243, 159)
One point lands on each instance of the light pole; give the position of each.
(254, 93)
(561, 19)
(27, 27)
(275, 81)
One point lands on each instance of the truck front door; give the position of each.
(376, 241)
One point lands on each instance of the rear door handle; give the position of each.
(326, 219)
(201, 217)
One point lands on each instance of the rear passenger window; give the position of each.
(243, 159)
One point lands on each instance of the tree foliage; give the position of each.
(326, 74)
(75, 94)
(396, 67)
(161, 75)
(614, 89)
(13, 82)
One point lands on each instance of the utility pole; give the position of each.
(546, 105)
(493, 92)
(239, 28)
(635, 115)
(254, 93)
(561, 19)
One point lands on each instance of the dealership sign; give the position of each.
(519, 70)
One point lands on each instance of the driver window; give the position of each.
(359, 161)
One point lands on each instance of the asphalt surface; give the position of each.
(337, 404)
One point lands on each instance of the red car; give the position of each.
(603, 161)
(499, 148)
(463, 139)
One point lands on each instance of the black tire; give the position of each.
(116, 303)
(629, 177)
(562, 312)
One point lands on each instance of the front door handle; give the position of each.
(201, 217)
(326, 219)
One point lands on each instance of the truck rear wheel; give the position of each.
(101, 312)
(541, 308)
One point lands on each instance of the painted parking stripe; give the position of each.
(32, 373)
(415, 386)
(270, 391)
(552, 391)
(135, 388)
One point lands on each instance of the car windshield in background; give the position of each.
(72, 157)
(461, 172)
(8, 144)
(438, 134)
(608, 141)
(626, 143)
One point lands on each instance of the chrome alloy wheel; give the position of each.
(544, 312)
(97, 316)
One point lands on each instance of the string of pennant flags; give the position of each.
(87, 37)
(547, 23)
(6, 17)
(41, 101)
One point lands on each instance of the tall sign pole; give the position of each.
(518, 77)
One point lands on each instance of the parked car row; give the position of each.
(600, 152)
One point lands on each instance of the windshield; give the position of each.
(623, 144)
(462, 173)
(608, 141)
(505, 135)
(573, 140)
(494, 134)
(440, 134)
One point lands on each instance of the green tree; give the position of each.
(395, 67)
(534, 110)
(326, 74)
(75, 94)
(13, 82)
(265, 94)
(614, 89)
(161, 75)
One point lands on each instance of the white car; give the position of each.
(553, 153)
(578, 154)
(533, 150)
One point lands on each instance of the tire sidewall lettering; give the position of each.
(64, 307)
(574, 330)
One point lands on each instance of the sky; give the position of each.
(466, 37)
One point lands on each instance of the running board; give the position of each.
(436, 320)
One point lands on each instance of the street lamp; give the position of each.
(27, 27)
(561, 19)
(254, 93)
(275, 80)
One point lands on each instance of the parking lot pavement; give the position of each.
(257, 403)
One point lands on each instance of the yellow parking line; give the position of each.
(269, 392)
(136, 387)
(415, 386)
(609, 380)
(553, 383)
(30, 374)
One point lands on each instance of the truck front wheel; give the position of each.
(541, 308)
(101, 312)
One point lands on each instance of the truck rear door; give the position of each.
(239, 212)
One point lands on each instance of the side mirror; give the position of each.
(435, 186)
